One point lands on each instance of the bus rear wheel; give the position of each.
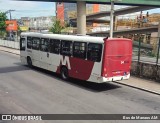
(29, 61)
(64, 73)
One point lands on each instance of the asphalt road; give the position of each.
(36, 91)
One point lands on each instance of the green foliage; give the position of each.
(57, 27)
(2, 34)
(151, 54)
(3, 18)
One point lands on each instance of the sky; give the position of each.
(27, 8)
(35, 9)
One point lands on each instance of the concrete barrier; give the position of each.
(145, 70)
(10, 44)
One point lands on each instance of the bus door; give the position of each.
(23, 48)
(44, 54)
(35, 54)
(54, 57)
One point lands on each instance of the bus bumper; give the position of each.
(116, 78)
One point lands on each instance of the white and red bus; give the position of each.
(94, 59)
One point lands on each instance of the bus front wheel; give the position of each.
(64, 73)
(29, 61)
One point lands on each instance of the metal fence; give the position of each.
(146, 58)
(147, 51)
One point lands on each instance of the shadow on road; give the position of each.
(80, 83)
(93, 86)
(12, 69)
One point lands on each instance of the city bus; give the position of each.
(94, 59)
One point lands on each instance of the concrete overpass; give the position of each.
(90, 21)
(118, 12)
(93, 17)
(155, 3)
(81, 8)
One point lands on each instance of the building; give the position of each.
(24, 21)
(41, 23)
(36, 23)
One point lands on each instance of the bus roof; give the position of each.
(65, 37)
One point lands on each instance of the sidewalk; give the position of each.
(139, 83)
(142, 84)
(10, 50)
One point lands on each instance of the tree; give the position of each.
(3, 18)
(57, 27)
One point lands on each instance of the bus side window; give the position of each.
(94, 52)
(44, 45)
(66, 48)
(79, 50)
(29, 42)
(35, 43)
(54, 46)
(22, 44)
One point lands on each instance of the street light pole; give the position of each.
(10, 15)
(9, 11)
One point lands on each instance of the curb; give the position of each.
(146, 90)
(9, 52)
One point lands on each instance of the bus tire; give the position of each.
(29, 61)
(64, 73)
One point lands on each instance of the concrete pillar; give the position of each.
(81, 17)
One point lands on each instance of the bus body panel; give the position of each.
(35, 56)
(81, 69)
(96, 73)
(117, 58)
(78, 68)
(44, 60)
(54, 61)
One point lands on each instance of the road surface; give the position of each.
(36, 91)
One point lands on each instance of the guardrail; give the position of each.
(10, 44)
